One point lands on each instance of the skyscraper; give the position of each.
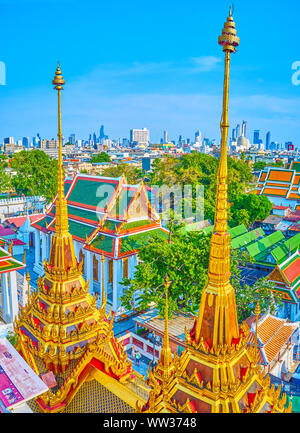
(244, 128)
(268, 140)
(25, 142)
(256, 137)
(140, 136)
(72, 139)
(238, 131)
(102, 135)
(166, 136)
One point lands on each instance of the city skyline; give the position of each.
(141, 73)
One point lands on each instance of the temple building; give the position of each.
(275, 343)
(62, 334)
(281, 185)
(218, 371)
(106, 217)
(286, 277)
(9, 266)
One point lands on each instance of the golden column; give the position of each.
(218, 300)
(62, 226)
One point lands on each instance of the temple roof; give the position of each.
(101, 210)
(273, 335)
(8, 263)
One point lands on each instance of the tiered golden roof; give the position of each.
(217, 372)
(61, 329)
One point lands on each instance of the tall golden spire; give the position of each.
(165, 366)
(62, 226)
(217, 321)
(62, 255)
(166, 355)
(103, 298)
(257, 313)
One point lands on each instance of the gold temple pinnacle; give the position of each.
(218, 295)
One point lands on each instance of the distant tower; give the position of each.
(102, 135)
(244, 129)
(166, 136)
(198, 136)
(268, 140)
(238, 131)
(256, 137)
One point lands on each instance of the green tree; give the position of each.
(185, 261)
(5, 180)
(259, 165)
(101, 157)
(12, 338)
(133, 174)
(36, 174)
(251, 207)
(200, 169)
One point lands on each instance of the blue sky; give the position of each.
(153, 64)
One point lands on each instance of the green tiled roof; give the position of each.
(296, 166)
(237, 231)
(103, 243)
(290, 246)
(111, 225)
(44, 222)
(82, 213)
(247, 238)
(135, 242)
(260, 249)
(135, 224)
(80, 230)
(92, 193)
(66, 187)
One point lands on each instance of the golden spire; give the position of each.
(257, 313)
(62, 225)
(217, 321)
(103, 288)
(62, 256)
(24, 257)
(165, 363)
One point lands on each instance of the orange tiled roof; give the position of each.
(280, 175)
(263, 176)
(273, 333)
(292, 271)
(273, 347)
(272, 191)
(268, 328)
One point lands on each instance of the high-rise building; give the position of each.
(198, 136)
(72, 139)
(233, 134)
(102, 135)
(244, 128)
(8, 140)
(140, 136)
(238, 131)
(25, 142)
(256, 137)
(268, 140)
(166, 136)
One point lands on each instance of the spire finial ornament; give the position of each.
(218, 298)
(257, 313)
(103, 288)
(62, 226)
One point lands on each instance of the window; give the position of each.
(95, 269)
(125, 267)
(110, 271)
